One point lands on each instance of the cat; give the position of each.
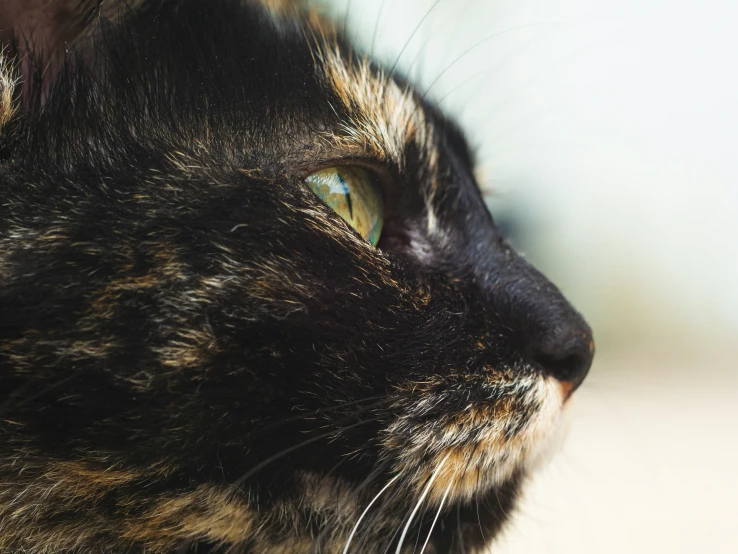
(251, 299)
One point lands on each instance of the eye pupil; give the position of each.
(348, 195)
(354, 196)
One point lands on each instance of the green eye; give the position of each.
(350, 192)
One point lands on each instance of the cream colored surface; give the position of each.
(649, 466)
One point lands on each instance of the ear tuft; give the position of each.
(8, 80)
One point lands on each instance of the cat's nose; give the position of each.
(564, 351)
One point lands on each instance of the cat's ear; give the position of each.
(46, 27)
(34, 38)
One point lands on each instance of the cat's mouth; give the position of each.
(482, 445)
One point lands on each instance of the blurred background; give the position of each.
(607, 141)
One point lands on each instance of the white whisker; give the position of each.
(361, 517)
(438, 513)
(420, 501)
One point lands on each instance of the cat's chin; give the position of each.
(486, 447)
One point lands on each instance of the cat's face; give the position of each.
(197, 351)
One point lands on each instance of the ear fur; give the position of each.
(35, 36)
(43, 25)
(7, 89)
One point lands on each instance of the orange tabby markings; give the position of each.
(206, 512)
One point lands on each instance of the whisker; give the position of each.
(420, 501)
(412, 35)
(186, 545)
(479, 519)
(476, 493)
(487, 72)
(514, 95)
(438, 513)
(407, 70)
(459, 16)
(354, 494)
(480, 43)
(497, 496)
(238, 482)
(376, 27)
(380, 510)
(420, 529)
(366, 510)
(397, 531)
(307, 415)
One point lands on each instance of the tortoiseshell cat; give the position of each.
(251, 299)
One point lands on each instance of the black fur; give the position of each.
(178, 310)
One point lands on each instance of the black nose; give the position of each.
(564, 350)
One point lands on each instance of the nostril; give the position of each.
(569, 364)
(571, 368)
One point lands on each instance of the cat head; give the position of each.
(251, 297)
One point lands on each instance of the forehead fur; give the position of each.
(383, 117)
